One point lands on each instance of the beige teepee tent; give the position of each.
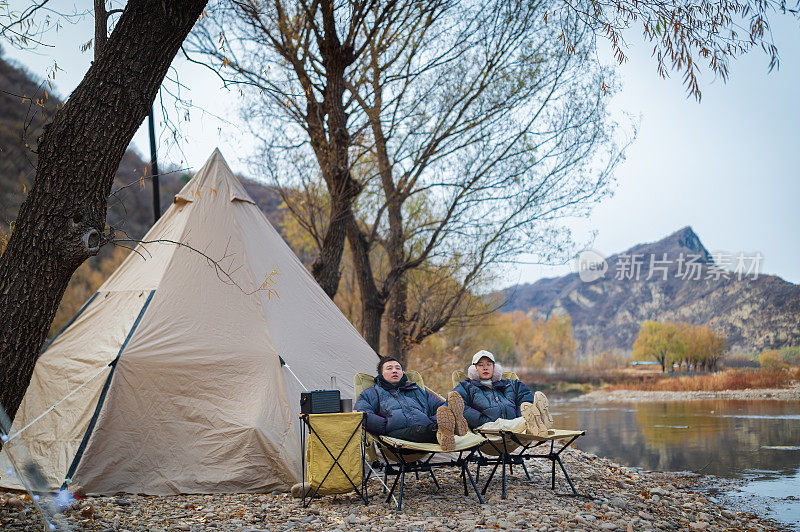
(189, 394)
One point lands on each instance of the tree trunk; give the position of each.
(373, 303)
(332, 150)
(100, 27)
(62, 220)
(325, 267)
(374, 300)
(397, 340)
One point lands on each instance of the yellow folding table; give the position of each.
(332, 447)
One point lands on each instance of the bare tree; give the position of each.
(299, 54)
(487, 125)
(469, 128)
(408, 60)
(62, 221)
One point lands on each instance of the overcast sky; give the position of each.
(728, 166)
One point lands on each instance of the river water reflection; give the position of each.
(749, 439)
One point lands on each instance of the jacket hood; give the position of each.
(472, 373)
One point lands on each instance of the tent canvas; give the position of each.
(185, 343)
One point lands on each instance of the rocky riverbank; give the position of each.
(614, 498)
(779, 394)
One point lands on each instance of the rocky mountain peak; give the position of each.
(672, 279)
(683, 241)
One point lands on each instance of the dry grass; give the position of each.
(724, 380)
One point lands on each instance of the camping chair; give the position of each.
(499, 449)
(402, 456)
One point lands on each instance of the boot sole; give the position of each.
(541, 402)
(456, 404)
(445, 433)
(534, 419)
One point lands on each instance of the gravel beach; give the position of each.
(615, 498)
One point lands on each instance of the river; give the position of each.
(755, 442)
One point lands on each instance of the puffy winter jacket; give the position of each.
(391, 407)
(483, 404)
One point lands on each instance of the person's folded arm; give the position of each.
(474, 417)
(369, 403)
(433, 404)
(523, 393)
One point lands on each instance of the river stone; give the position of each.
(15, 502)
(619, 502)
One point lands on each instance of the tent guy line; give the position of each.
(197, 401)
(103, 393)
(284, 364)
(20, 431)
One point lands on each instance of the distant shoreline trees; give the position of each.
(669, 343)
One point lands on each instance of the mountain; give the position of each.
(687, 283)
(25, 106)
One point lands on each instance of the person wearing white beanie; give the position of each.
(493, 402)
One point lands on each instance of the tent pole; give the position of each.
(154, 166)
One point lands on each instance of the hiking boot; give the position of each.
(541, 402)
(456, 404)
(533, 417)
(445, 434)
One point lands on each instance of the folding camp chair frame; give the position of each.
(305, 426)
(507, 458)
(399, 469)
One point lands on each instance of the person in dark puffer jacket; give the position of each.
(398, 408)
(495, 403)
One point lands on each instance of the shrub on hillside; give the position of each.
(791, 355)
(771, 359)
